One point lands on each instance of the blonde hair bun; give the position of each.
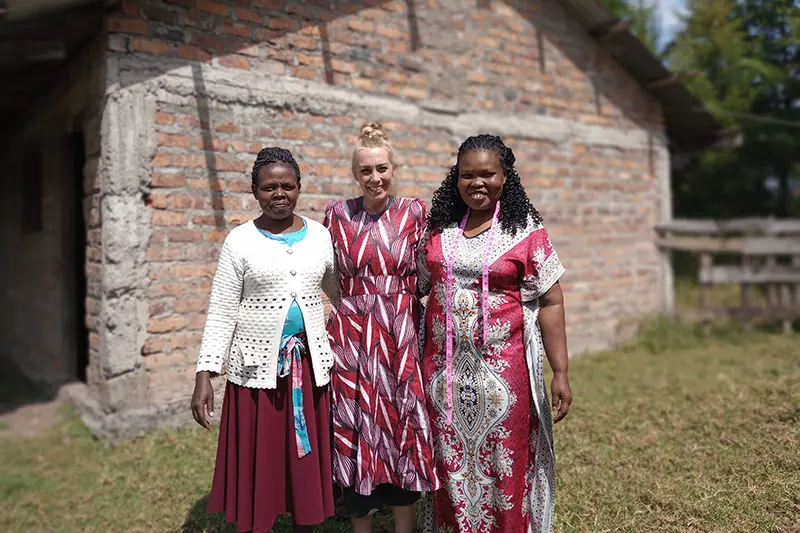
(372, 131)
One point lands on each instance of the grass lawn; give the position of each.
(672, 433)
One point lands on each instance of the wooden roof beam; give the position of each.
(671, 79)
(606, 32)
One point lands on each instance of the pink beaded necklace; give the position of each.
(450, 282)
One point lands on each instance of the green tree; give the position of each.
(741, 70)
(645, 21)
(773, 133)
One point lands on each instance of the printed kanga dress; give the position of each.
(495, 460)
(381, 432)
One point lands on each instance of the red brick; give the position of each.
(414, 92)
(156, 200)
(164, 119)
(207, 185)
(217, 8)
(296, 133)
(234, 28)
(150, 46)
(284, 56)
(319, 152)
(211, 145)
(236, 219)
(233, 165)
(188, 270)
(162, 325)
(372, 13)
(207, 41)
(282, 23)
(342, 121)
(169, 218)
(302, 41)
(216, 235)
(247, 147)
(167, 180)
(274, 5)
(311, 29)
(242, 13)
(153, 345)
(477, 77)
(118, 25)
(361, 25)
(363, 84)
(325, 171)
(227, 127)
(173, 139)
(207, 220)
(197, 322)
(304, 73)
(307, 59)
(226, 202)
(193, 53)
(343, 66)
(266, 35)
(184, 201)
(240, 186)
(128, 7)
(243, 48)
(184, 235)
(390, 33)
(155, 253)
(178, 341)
(306, 12)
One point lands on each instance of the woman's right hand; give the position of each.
(203, 399)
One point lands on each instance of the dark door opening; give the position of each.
(78, 223)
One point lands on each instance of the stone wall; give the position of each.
(196, 88)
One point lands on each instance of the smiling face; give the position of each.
(277, 190)
(373, 171)
(480, 179)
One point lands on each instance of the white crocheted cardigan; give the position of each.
(256, 282)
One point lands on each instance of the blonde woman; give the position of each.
(382, 447)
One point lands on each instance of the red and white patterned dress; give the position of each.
(495, 461)
(381, 429)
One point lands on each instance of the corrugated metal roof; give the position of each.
(689, 125)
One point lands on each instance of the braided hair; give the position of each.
(447, 206)
(271, 155)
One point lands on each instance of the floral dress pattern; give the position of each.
(495, 459)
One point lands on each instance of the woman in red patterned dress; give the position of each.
(495, 307)
(383, 451)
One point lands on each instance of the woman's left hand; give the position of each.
(562, 396)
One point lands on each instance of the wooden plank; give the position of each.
(742, 314)
(767, 226)
(766, 275)
(770, 246)
(700, 244)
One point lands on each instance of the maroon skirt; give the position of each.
(258, 476)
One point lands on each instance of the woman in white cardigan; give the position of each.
(266, 321)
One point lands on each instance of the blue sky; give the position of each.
(669, 21)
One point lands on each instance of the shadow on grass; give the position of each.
(199, 520)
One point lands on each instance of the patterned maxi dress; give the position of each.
(496, 460)
(381, 428)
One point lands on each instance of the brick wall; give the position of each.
(196, 87)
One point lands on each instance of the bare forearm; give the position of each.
(554, 335)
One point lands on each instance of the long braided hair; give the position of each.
(449, 208)
(274, 155)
